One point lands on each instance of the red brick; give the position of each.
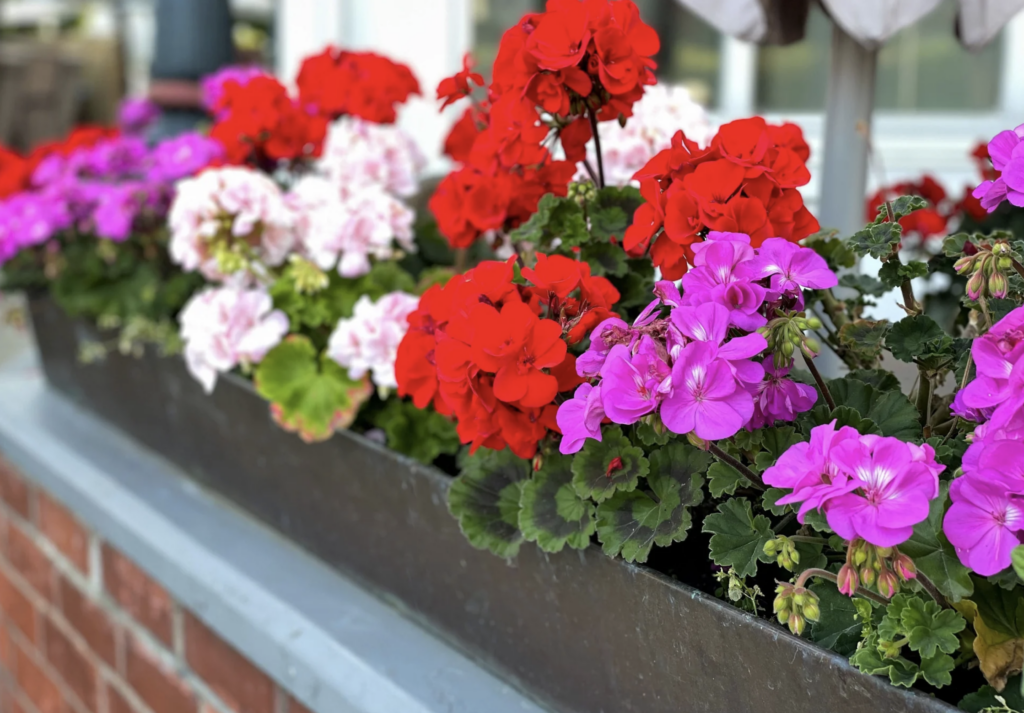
(143, 599)
(71, 664)
(13, 489)
(117, 703)
(64, 530)
(161, 689)
(29, 561)
(295, 707)
(242, 686)
(37, 685)
(18, 608)
(90, 621)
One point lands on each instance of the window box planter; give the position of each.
(581, 631)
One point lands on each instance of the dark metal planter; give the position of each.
(580, 631)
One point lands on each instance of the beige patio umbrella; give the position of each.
(860, 28)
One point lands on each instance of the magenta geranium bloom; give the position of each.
(633, 384)
(790, 267)
(778, 398)
(706, 398)
(984, 524)
(810, 471)
(580, 418)
(1008, 158)
(606, 335)
(710, 323)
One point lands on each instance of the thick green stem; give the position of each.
(825, 393)
(597, 147)
(740, 468)
(836, 310)
(924, 397)
(932, 590)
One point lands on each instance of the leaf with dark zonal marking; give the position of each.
(630, 523)
(485, 499)
(552, 513)
(609, 465)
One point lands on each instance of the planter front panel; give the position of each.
(583, 632)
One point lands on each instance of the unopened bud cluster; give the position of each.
(987, 271)
(795, 606)
(309, 279)
(783, 549)
(785, 334)
(884, 568)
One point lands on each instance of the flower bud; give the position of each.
(813, 323)
(812, 612)
(770, 548)
(811, 347)
(997, 285)
(847, 580)
(860, 555)
(888, 584)
(905, 567)
(867, 575)
(975, 285)
(883, 551)
(696, 441)
(964, 264)
(889, 649)
(796, 624)
(1004, 263)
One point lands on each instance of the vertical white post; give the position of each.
(737, 82)
(849, 104)
(1011, 89)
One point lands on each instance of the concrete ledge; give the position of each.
(329, 643)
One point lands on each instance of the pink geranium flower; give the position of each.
(706, 397)
(983, 524)
(580, 418)
(633, 384)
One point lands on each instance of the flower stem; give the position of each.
(597, 147)
(924, 397)
(740, 468)
(825, 574)
(590, 171)
(1018, 267)
(825, 393)
(929, 586)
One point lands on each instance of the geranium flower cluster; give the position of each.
(226, 326)
(367, 342)
(337, 82)
(349, 209)
(212, 86)
(1006, 182)
(493, 354)
(656, 118)
(869, 487)
(101, 183)
(556, 74)
(230, 222)
(696, 357)
(986, 520)
(745, 181)
(259, 124)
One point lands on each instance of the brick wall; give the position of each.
(84, 630)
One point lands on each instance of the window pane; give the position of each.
(690, 48)
(922, 68)
(490, 20)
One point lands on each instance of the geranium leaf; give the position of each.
(865, 284)
(891, 411)
(423, 434)
(560, 218)
(900, 671)
(876, 240)
(864, 338)
(738, 536)
(893, 274)
(630, 523)
(835, 250)
(912, 337)
(903, 206)
(935, 557)
(930, 628)
(1002, 610)
(937, 670)
(838, 627)
(605, 259)
(649, 436)
(636, 285)
(985, 697)
(842, 415)
(723, 479)
(611, 212)
(772, 496)
(485, 499)
(878, 378)
(308, 393)
(609, 465)
(551, 513)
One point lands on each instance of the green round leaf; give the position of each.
(606, 466)
(485, 499)
(738, 536)
(551, 513)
